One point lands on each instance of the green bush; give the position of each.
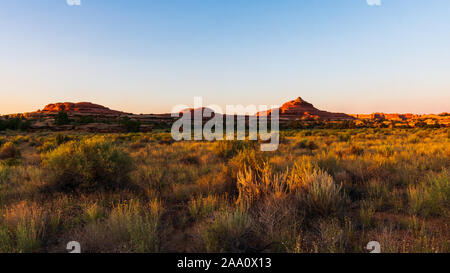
(130, 125)
(87, 165)
(15, 124)
(62, 118)
(85, 120)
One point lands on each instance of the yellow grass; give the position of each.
(321, 191)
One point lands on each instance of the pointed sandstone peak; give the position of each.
(298, 101)
(299, 108)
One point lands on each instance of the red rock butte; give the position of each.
(301, 109)
(80, 107)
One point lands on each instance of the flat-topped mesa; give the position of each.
(79, 108)
(301, 109)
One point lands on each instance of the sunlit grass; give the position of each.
(321, 191)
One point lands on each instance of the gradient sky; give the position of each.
(147, 56)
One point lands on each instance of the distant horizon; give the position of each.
(206, 105)
(147, 56)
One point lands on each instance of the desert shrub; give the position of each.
(322, 195)
(306, 133)
(307, 144)
(314, 189)
(366, 214)
(140, 225)
(432, 196)
(131, 227)
(344, 137)
(21, 139)
(47, 145)
(62, 118)
(229, 232)
(85, 120)
(355, 150)
(414, 139)
(11, 162)
(190, 160)
(4, 174)
(249, 157)
(6, 240)
(279, 221)
(9, 150)
(60, 139)
(203, 206)
(329, 163)
(15, 124)
(386, 151)
(164, 138)
(330, 237)
(93, 212)
(256, 185)
(131, 125)
(87, 165)
(25, 226)
(227, 149)
(152, 178)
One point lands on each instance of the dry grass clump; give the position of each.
(130, 227)
(204, 206)
(9, 150)
(24, 226)
(313, 188)
(432, 196)
(228, 232)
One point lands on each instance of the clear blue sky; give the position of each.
(146, 56)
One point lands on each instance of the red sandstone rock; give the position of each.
(80, 107)
(300, 108)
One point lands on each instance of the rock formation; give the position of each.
(301, 109)
(80, 107)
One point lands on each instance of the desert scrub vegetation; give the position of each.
(130, 226)
(87, 165)
(9, 150)
(314, 189)
(432, 196)
(323, 190)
